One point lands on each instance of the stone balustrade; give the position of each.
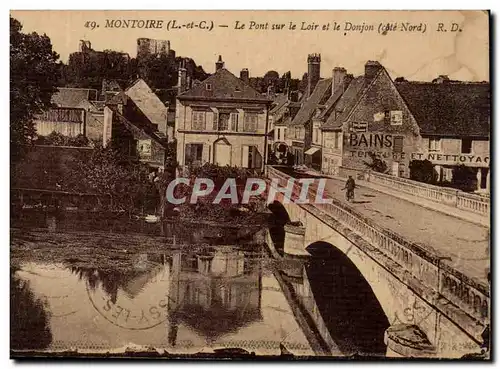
(459, 199)
(427, 267)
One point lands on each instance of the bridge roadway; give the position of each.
(465, 243)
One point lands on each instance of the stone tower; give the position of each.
(313, 72)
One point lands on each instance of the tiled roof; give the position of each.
(331, 102)
(147, 101)
(223, 85)
(346, 103)
(278, 103)
(461, 109)
(319, 96)
(155, 135)
(70, 97)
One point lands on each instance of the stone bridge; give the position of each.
(396, 292)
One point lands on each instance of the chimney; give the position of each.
(245, 75)
(219, 65)
(182, 80)
(313, 72)
(338, 79)
(371, 70)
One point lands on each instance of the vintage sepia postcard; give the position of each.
(250, 184)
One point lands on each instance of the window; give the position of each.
(434, 144)
(223, 122)
(466, 146)
(251, 122)
(396, 117)
(193, 154)
(398, 144)
(315, 135)
(234, 122)
(144, 148)
(198, 123)
(251, 157)
(208, 86)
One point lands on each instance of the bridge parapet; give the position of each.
(473, 203)
(420, 261)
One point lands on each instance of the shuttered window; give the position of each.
(398, 144)
(251, 122)
(199, 121)
(234, 122)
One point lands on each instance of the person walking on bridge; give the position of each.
(350, 186)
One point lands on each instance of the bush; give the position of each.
(423, 171)
(58, 139)
(204, 208)
(377, 163)
(108, 174)
(464, 178)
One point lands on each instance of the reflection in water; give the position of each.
(29, 320)
(222, 286)
(131, 280)
(182, 298)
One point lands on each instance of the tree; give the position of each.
(33, 77)
(377, 164)
(88, 69)
(422, 171)
(108, 174)
(464, 178)
(302, 86)
(271, 78)
(158, 71)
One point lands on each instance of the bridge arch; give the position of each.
(279, 219)
(347, 303)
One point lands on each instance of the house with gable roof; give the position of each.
(74, 112)
(222, 121)
(370, 118)
(133, 123)
(454, 121)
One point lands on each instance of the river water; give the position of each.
(113, 291)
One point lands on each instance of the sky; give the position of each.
(414, 55)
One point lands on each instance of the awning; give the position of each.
(312, 151)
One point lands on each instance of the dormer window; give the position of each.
(208, 86)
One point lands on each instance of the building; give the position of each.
(277, 128)
(319, 154)
(66, 121)
(224, 286)
(135, 122)
(454, 122)
(285, 107)
(300, 129)
(370, 119)
(86, 55)
(148, 46)
(222, 121)
(86, 99)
